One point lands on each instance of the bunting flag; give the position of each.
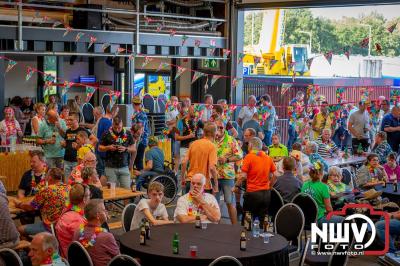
(44, 19)
(79, 36)
(172, 32)
(48, 78)
(256, 60)
(392, 28)
(285, 87)
(198, 75)
(89, 93)
(235, 82)
(29, 73)
(226, 53)
(212, 47)
(11, 65)
(328, 56)
(159, 27)
(37, 15)
(311, 93)
(394, 95)
(92, 41)
(364, 43)
(162, 66)
(272, 63)
(378, 48)
(56, 24)
(184, 39)
(197, 43)
(240, 57)
(340, 94)
(179, 71)
(309, 62)
(105, 46)
(146, 61)
(114, 95)
(148, 20)
(66, 87)
(120, 50)
(68, 29)
(206, 85)
(214, 79)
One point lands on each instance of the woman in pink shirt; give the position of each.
(391, 168)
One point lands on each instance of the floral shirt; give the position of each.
(383, 151)
(141, 117)
(51, 202)
(228, 147)
(336, 188)
(315, 157)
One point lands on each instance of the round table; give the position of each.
(215, 241)
(389, 193)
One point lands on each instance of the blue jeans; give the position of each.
(36, 228)
(292, 137)
(143, 178)
(100, 167)
(68, 167)
(334, 220)
(394, 230)
(120, 176)
(225, 186)
(267, 137)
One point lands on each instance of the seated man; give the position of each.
(44, 250)
(287, 184)
(277, 150)
(9, 236)
(381, 147)
(394, 230)
(85, 146)
(89, 160)
(254, 124)
(72, 217)
(33, 178)
(49, 200)
(196, 201)
(152, 209)
(105, 247)
(326, 147)
(154, 158)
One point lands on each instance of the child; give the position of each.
(391, 168)
(82, 139)
(152, 209)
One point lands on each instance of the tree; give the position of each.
(257, 27)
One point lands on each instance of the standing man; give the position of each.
(359, 127)
(247, 112)
(296, 103)
(117, 143)
(70, 144)
(208, 101)
(258, 169)
(140, 117)
(228, 152)
(277, 150)
(248, 134)
(50, 136)
(254, 124)
(202, 158)
(391, 125)
(269, 123)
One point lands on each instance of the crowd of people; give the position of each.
(214, 156)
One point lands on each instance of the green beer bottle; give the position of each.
(175, 244)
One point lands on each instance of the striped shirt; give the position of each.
(326, 148)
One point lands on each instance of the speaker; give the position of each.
(89, 20)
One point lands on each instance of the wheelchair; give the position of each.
(168, 179)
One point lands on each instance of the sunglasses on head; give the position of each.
(221, 127)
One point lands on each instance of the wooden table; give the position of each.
(341, 162)
(11, 205)
(13, 165)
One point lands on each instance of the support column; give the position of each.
(2, 87)
(60, 77)
(237, 42)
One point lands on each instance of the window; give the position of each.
(152, 83)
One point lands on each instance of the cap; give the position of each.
(136, 100)
(153, 140)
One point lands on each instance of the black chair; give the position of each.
(226, 260)
(290, 230)
(123, 260)
(161, 103)
(309, 208)
(315, 259)
(127, 215)
(10, 257)
(105, 100)
(347, 177)
(170, 187)
(149, 103)
(276, 203)
(78, 255)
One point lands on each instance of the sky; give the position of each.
(389, 11)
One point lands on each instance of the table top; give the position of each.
(342, 162)
(388, 189)
(215, 241)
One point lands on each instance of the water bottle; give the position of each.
(256, 228)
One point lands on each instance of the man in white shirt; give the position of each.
(247, 112)
(208, 101)
(196, 201)
(172, 113)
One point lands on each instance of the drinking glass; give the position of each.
(193, 251)
(112, 188)
(203, 225)
(266, 238)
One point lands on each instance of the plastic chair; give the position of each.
(78, 255)
(148, 103)
(10, 257)
(276, 203)
(291, 231)
(123, 260)
(127, 215)
(223, 260)
(161, 103)
(347, 177)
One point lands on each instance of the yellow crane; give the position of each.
(276, 58)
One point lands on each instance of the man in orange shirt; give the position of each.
(202, 159)
(258, 170)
